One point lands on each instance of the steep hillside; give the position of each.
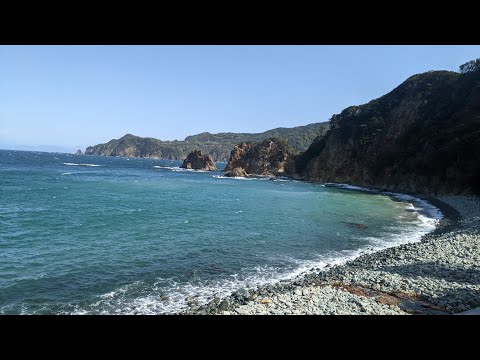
(218, 146)
(136, 146)
(299, 137)
(424, 136)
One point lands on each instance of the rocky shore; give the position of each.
(438, 275)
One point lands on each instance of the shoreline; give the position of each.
(440, 274)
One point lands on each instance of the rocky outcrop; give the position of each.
(237, 172)
(218, 146)
(422, 137)
(270, 157)
(133, 146)
(198, 161)
(79, 152)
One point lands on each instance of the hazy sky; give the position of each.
(75, 96)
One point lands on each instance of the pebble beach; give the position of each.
(438, 275)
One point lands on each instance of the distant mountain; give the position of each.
(40, 148)
(218, 146)
(422, 137)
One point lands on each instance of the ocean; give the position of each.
(106, 235)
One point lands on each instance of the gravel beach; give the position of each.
(438, 275)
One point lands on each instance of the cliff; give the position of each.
(270, 157)
(218, 146)
(422, 137)
(135, 146)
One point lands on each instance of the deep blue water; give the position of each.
(88, 234)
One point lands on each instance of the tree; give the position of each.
(473, 65)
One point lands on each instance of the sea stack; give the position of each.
(271, 157)
(79, 152)
(196, 160)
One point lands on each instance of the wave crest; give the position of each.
(74, 164)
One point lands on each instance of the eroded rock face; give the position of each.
(270, 157)
(422, 137)
(218, 146)
(237, 172)
(198, 161)
(79, 152)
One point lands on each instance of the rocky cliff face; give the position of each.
(198, 161)
(130, 146)
(218, 146)
(422, 137)
(270, 157)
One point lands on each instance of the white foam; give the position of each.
(230, 177)
(165, 167)
(73, 164)
(118, 302)
(416, 204)
(176, 168)
(66, 173)
(255, 177)
(234, 177)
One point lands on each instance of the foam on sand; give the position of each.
(176, 297)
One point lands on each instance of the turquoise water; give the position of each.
(88, 234)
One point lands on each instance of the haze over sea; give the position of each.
(106, 235)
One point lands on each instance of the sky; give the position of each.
(70, 97)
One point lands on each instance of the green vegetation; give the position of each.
(424, 136)
(272, 156)
(299, 137)
(473, 65)
(218, 146)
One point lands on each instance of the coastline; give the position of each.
(440, 274)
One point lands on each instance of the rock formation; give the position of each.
(270, 157)
(218, 146)
(236, 172)
(422, 137)
(198, 161)
(79, 152)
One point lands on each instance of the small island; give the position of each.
(196, 160)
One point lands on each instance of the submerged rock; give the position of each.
(198, 161)
(356, 225)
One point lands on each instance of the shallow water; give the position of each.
(89, 234)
